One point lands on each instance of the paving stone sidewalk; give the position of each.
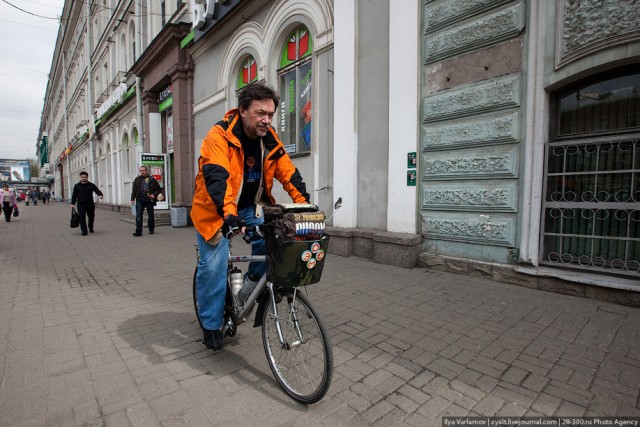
(100, 331)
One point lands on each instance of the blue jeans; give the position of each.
(140, 207)
(211, 279)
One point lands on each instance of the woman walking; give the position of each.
(8, 198)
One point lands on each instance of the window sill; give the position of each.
(299, 155)
(582, 277)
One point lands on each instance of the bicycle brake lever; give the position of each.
(232, 232)
(253, 233)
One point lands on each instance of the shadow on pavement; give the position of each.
(164, 337)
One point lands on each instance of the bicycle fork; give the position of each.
(294, 319)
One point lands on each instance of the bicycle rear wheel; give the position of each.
(303, 364)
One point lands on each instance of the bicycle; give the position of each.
(295, 339)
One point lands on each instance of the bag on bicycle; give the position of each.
(296, 243)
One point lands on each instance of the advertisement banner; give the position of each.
(157, 167)
(169, 133)
(16, 171)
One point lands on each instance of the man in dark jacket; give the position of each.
(83, 197)
(144, 195)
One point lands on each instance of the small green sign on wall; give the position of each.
(411, 178)
(411, 160)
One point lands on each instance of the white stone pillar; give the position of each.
(155, 133)
(345, 139)
(404, 112)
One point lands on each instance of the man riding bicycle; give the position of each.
(239, 158)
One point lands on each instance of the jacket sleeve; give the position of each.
(134, 189)
(97, 190)
(291, 180)
(215, 171)
(74, 196)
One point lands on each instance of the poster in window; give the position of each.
(287, 128)
(304, 115)
(169, 133)
(157, 166)
(248, 73)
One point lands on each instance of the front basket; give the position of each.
(295, 262)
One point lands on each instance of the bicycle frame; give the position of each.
(253, 297)
(248, 305)
(295, 339)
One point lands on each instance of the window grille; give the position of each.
(591, 207)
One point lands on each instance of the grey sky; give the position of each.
(26, 50)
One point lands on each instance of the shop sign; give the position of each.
(44, 150)
(81, 131)
(165, 98)
(207, 13)
(115, 98)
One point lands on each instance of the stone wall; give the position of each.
(507, 274)
(383, 247)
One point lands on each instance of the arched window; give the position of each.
(134, 144)
(248, 73)
(294, 121)
(122, 49)
(126, 156)
(591, 207)
(132, 42)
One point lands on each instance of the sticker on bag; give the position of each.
(312, 255)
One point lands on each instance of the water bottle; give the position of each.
(236, 280)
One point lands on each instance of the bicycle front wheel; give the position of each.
(195, 298)
(303, 361)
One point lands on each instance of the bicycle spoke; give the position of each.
(302, 362)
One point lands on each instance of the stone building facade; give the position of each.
(97, 106)
(530, 124)
(497, 138)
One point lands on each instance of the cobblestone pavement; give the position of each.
(100, 331)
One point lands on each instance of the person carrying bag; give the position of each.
(75, 218)
(8, 200)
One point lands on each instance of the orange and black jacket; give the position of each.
(220, 174)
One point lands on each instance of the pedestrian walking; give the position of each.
(9, 203)
(144, 195)
(83, 197)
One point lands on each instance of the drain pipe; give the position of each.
(140, 146)
(138, 38)
(90, 104)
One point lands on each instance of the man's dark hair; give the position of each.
(84, 173)
(257, 91)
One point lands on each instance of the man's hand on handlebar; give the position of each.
(252, 233)
(232, 225)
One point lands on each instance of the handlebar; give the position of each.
(251, 233)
